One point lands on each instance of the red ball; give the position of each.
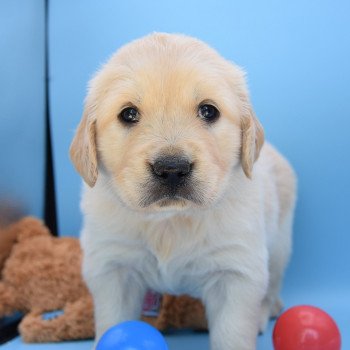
(306, 328)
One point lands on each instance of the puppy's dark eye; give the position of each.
(208, 112)
(129, 115)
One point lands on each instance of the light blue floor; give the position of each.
(337, 305)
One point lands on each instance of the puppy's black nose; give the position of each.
(171, 170)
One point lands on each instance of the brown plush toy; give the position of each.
(41, 274)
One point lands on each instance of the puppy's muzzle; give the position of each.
(171, 171)
(172, 180)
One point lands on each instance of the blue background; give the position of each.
(22, 106)
(296, 54)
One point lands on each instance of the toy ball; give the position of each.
(132, 335)
(306, 328)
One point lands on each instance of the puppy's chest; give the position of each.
(175, 258)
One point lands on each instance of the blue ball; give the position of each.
(132, 335)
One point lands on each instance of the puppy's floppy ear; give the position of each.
(83, 148)
(252, 139)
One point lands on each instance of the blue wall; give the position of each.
(297, 56)
(22, 105)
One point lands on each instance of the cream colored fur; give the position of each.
(231, 247)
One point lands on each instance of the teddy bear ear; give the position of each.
(29, 227)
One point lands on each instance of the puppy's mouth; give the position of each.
(170, 202)
(163, 196)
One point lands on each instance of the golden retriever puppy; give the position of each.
(181, 195)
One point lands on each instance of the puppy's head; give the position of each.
(167, 121)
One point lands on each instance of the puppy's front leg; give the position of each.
(233, 307)
(117, 294)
